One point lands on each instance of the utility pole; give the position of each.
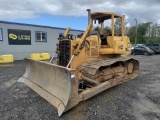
(136, 31)
(150, 31)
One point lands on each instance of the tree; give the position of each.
(117, 26)
(142, 32)
(131, 34)
(105, 30)
(96, 28)
(155, 34)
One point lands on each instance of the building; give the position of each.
(21, 40)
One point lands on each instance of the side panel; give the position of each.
(94, 46)
(84, 55)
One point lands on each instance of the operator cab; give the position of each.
(107, 18)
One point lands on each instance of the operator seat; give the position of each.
(103, 39)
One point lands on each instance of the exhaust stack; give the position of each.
(89, 15)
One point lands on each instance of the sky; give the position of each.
(72, 13)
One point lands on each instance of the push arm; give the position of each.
(80, 44)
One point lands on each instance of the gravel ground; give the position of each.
(138, 99)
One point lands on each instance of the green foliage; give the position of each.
(131, 33)
(106, 29)
(145, 33)
(96, 28)
(141, 32)
(117, 26)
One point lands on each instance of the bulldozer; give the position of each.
(83, 66)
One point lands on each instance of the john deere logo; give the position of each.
(12, 36)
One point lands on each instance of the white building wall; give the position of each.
(23, 51)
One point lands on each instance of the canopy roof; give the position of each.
(101, 16)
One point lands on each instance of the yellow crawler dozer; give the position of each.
(84, 66)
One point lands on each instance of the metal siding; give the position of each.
(23, 51)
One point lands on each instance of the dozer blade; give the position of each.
(52, 82)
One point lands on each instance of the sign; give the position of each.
(1, 34)
(19, 37)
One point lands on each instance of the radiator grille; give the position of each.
(64, 52)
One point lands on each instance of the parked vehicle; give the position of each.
(141, 50)
(138, 45)
(154, 47)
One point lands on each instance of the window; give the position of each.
(41, 36)
(148, 45)
(137, 48)
(156, 45)
(1, 36)
(143, 49)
